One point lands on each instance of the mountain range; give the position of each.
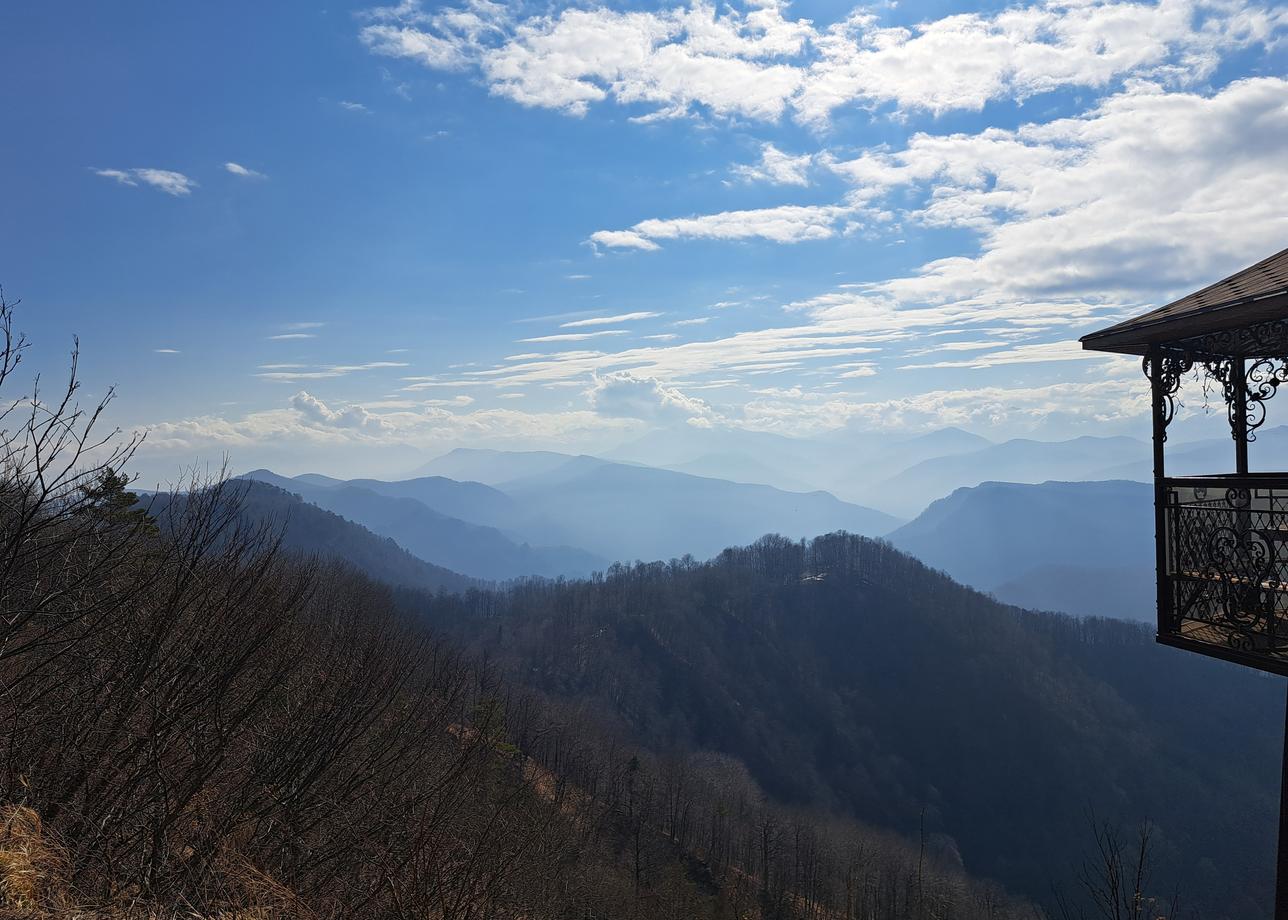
(555, 514)
(1078, 547)
(473, 549)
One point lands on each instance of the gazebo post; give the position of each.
(1158, 414)
(1239, 414)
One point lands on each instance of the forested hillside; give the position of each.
(308, 530)
(851, 678)
(200, 723)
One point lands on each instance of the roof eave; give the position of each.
(1136, 336)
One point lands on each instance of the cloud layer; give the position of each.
(754, 61)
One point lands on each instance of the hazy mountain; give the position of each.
(473, 549)
(311, 530)
(630, 511)
(1210, 455)
(850, 678)
(636, 512)
(492, 466)
(1019, 460)
(844, 462)
(1079, 547)
(740, 468)
(469, 501)
(741, 456)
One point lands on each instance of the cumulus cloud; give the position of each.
(164, 180)
(625, 395)
(1149, 191)
(777, 167)
(316, 412)
(754, 61)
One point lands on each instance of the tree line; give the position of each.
(196, 722)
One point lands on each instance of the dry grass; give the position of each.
(35, 868)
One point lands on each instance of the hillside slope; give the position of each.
(310, 530)
(849, 677)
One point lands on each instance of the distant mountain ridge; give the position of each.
(631, 511)
(474, 549)
(1077, 547)
(1018, 460)
(310, 530)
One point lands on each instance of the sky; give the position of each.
(348, 238)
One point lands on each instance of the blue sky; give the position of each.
(344, 236)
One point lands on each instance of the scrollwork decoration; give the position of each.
(1263, 379)
(1169, 368)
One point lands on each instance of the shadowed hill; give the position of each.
(850, 677)
(310, 530)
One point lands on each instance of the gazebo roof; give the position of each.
(1239, 304)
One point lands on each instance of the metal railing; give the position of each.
(1224, 584)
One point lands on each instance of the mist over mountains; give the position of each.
(1032, 522)
(541, 513)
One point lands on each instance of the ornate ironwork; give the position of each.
(1257, 340)
(1224, 372)
(1169, 369)
(1227, 567)
(1263, 378)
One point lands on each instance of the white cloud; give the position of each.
(289, 336)
(777, 167)
(244, 172)
(625, 395)
(783, 224)
(622, 239)
(575, 336)
(1063, 350)
(696, 321)
(354, 106)
(122, 176)
(165, 180)
(291, 372)
(166, 351)
(755, 62)
(316, 412)
(609, 320)
(1150, 191)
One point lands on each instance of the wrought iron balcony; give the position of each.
(1224, 585)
